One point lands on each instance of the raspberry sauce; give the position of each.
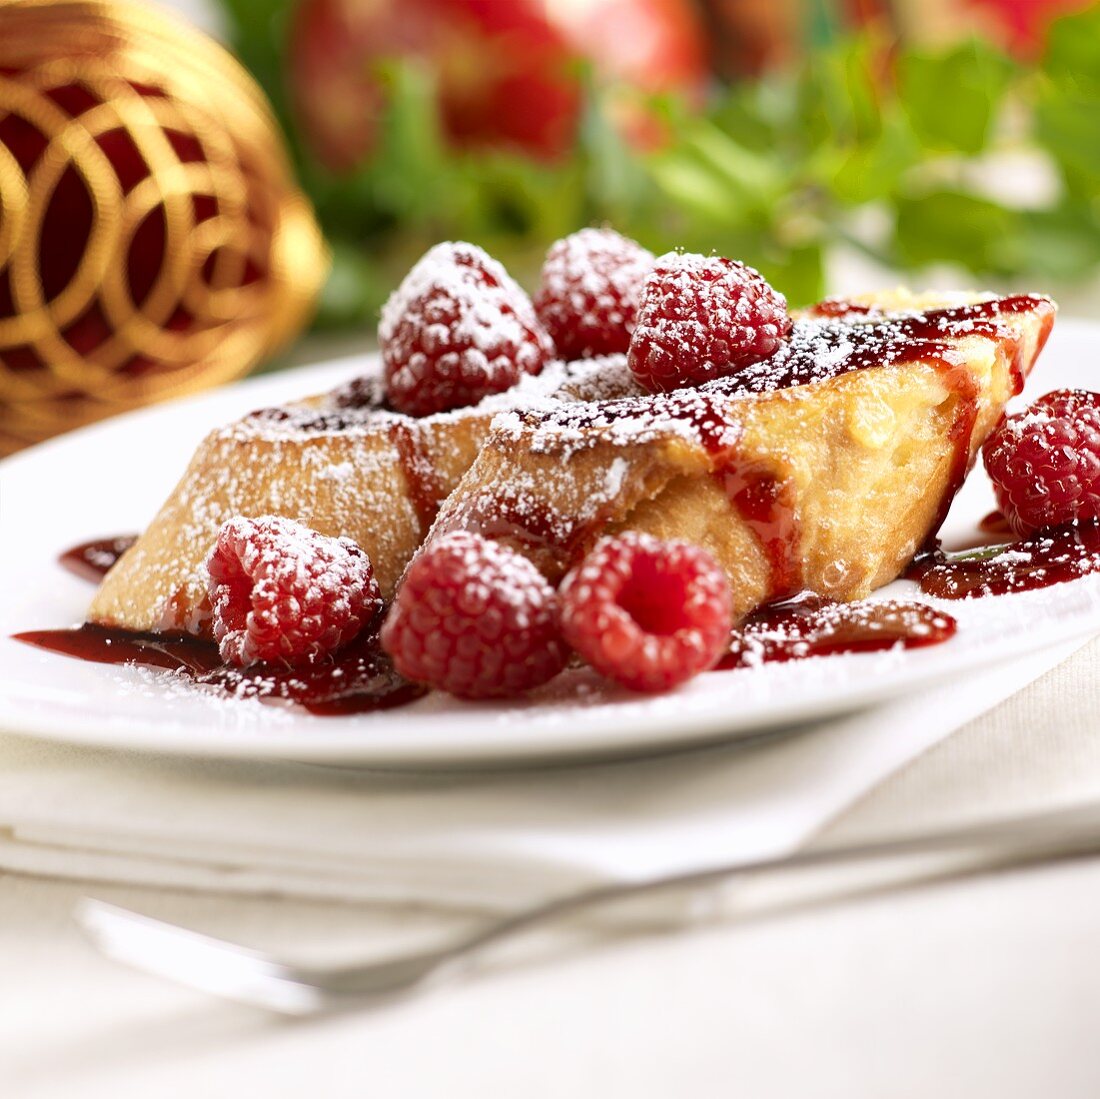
(765, 504)
(1048, 557)
(425, 489)
(358, 679)
(93, 560)
(818, 351)
(810, 625)
(838, 339)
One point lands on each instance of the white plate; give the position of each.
(110, 479)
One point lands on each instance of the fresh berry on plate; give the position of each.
(646, 613)
(703, 317)
(457, 329)
(281, 593)
(589, 290)
(475, 619)
(1045, 462)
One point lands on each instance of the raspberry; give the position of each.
(588, 297)
(702, 318)
(284, 594)
(647, 614)
(474, 619)
(1045, 462)
(456, 330)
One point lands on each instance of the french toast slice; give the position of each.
(341, 463)
(824, 468)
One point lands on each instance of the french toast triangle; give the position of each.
(824, 468)
(341, 463)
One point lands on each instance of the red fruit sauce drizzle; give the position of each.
(420, 478)
(840, 338)
(810, 625)
(358, 679)
(820, 350)
(1048, 557)
(765, 503)
(93, 560)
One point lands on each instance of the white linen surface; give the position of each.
(459, 839)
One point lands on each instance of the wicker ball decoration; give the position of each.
(152, 241)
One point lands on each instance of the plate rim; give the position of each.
(657, 735)
(658, 732)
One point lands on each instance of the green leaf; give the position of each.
(951, 99)
(799, 273)
(955, 227)
(753, 177)
(351, 293)
(257, 32)
(867, 173)
(615, 180)
(411, 159)
(1068, 126)
(772, 171)
(756, 116)
(1063, 243)
(696, 189)
(1072, 56)
(840, 94)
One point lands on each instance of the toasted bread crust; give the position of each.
(863, 465)
(851, 475)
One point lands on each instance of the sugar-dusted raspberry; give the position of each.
(589, 290)
(457, 329)
(1045, 462)
(646, 613)
(703, 317)
(284, 594)
(474, 619)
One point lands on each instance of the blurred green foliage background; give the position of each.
(904, 154)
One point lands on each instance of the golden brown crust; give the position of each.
(344, 469)
(861, 463)
(860, 469)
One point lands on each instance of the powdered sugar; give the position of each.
(691, 415)
(332, 463)
(817, 350)
(453, 270)
(359, 407)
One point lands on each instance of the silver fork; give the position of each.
(231, 971)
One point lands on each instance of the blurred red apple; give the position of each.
(507, 70)
(1023, 23)
(639, 48)
(653, 45)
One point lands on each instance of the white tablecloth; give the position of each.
(988, 987)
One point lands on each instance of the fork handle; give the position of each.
(228, 970)
(1003, 842)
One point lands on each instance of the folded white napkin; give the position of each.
(485, 840)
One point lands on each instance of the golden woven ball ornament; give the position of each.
(152, 241)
